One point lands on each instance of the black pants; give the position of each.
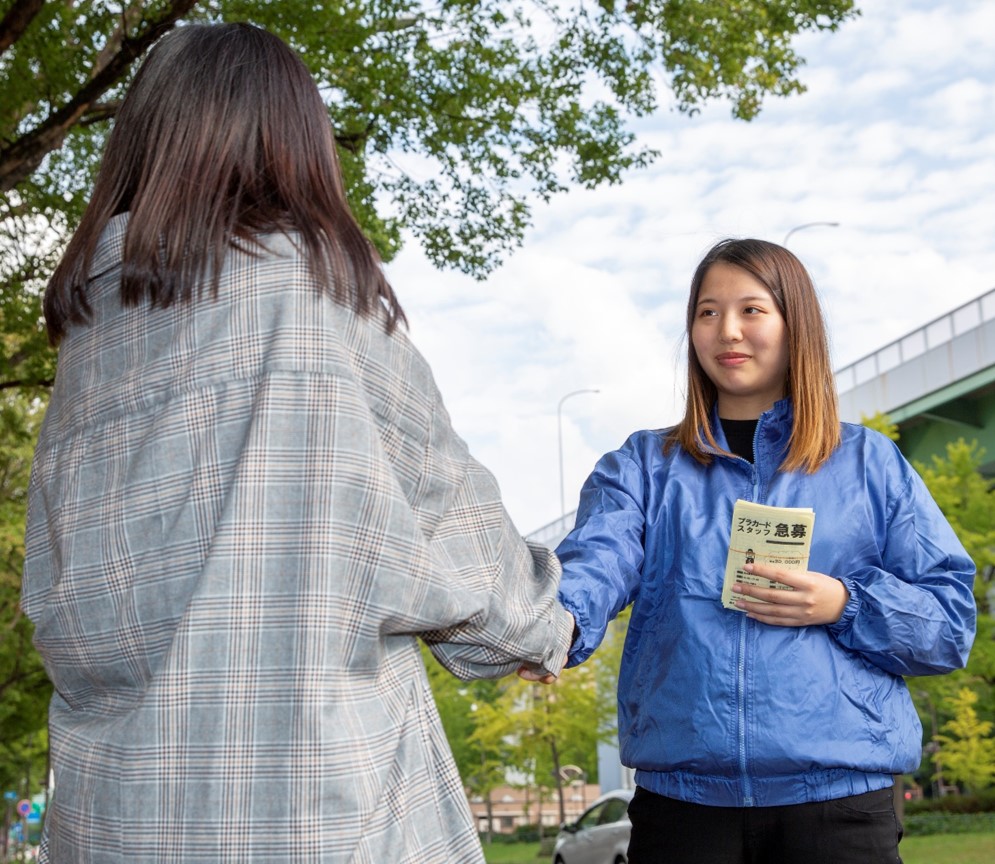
(860, 829)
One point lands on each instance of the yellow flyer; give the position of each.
(780, 536)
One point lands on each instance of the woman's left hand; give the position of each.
(816, 598)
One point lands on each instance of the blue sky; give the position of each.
(894, 140)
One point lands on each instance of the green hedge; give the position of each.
(521, 834)
(981, 803)
(938, 822)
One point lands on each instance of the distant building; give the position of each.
(513, 806)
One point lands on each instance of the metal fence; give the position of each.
(937, 332)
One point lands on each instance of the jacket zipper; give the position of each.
(747, 783)
(741, 669)
(741, 708)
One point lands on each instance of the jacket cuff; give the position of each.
(564, 626)
(579, 651)
(850, 610)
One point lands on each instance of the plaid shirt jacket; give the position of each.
(244, 510)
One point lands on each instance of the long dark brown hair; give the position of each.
(810, 384)
(222, 136)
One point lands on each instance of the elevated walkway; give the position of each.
(937, 382)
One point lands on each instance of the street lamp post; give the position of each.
(808, 225)
(559, 428)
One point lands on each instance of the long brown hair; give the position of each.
(810, 384)
(222, 135)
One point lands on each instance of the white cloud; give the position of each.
(959, 105)
(894, 140)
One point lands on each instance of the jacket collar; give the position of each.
(772, 435)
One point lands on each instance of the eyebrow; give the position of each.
(752, 298)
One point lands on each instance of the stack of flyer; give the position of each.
(778, 536)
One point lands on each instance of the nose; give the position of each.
(730, 331)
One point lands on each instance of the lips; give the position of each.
(731, 358)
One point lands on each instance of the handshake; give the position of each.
(528, 674)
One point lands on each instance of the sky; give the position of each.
(894, 140)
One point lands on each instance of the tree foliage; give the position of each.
(967, 753)
(508, 98)
(967, 500)
(516, 731)
(24, 687)
(452, 117)
(545, 728)
(881, 423)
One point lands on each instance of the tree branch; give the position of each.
(100, 111)
(31, 677)
(16, 21)
(353, 141)
(398, 24)
(21, 158)
(20, 382)
(131, 19)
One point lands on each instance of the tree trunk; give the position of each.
(20, 158)
(490, 818)
(559, 779)
(16, 21)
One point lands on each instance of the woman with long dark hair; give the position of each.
(248, 503)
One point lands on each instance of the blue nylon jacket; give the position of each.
(717, 709)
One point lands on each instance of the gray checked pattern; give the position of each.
(244, 513)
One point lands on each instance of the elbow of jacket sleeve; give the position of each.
(931, 639)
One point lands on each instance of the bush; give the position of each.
(498, 839)
(981, 803)
(521, 834)
(939, 822)
(527, 833)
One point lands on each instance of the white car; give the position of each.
(600, 835)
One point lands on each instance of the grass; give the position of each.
(516, 853)
(944, 849)
(933, 849)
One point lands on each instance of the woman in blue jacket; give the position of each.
(769, 733)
